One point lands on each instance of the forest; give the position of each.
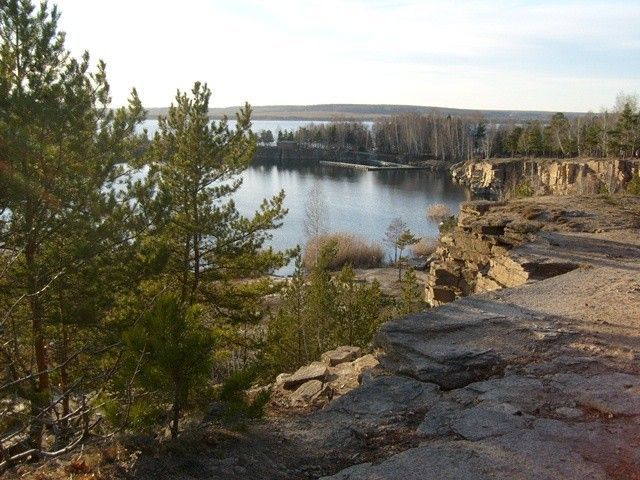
(609, 133)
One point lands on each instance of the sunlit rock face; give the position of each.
(491, 249)
(498, 179)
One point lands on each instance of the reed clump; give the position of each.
(350, 250)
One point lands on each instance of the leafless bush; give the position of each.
(438, 212)
(424, 247)
(351, 249)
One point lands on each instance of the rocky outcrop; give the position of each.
(313, 371)
(497, 179)
(538, 381)
(314, 385)
(340, 355)
(489, 249)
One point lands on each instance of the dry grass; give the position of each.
(424, 247)
(438, 212)
(351, 250)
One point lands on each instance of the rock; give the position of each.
(386, 396)
(569, 412)
(487, 420)
(346, 376)
(317, 384)
(374, 409)
(364, 364)
(437, 420)
(340, 355)
(314, 371)
(308, 392)
(525, 459)
(491, 178)
(523, 392)
(615, 394)
(444, 346)
(280, 379)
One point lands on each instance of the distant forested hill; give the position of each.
(366, 112)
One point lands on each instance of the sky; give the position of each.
(528, 55)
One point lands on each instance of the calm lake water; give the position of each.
(357, 201)
(360, 202)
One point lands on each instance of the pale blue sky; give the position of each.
(542, 55)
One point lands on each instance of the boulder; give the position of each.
(313, 371)
(615, 394)
(280, 379)
(346, 376)
(308, 392)
(340, 355)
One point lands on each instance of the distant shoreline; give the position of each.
(330, 112)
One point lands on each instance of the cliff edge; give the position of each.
(499, 178)
(536, 381)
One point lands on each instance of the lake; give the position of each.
(360, 202)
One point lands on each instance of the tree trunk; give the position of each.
(185, 267)
(64, 385)
(40, 400)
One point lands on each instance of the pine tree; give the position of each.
(171, 348)
(559, 134)
(625, 137)
(289, 337)
(196, 164)
(210, 256)
(63, 151)
(321, 305)
(406, 239)
(359, 308)
(410, 300)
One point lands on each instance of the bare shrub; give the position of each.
(438, 212)
(424, 247)
(351, 250)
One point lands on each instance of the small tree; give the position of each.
(288, 336)
(392, 235)
(171, 350)
(633, 187)
(359, 306)
(315, 218)
(406, 239)
(399, 237)
(410, 300)
(322, 312)
(321, 299)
